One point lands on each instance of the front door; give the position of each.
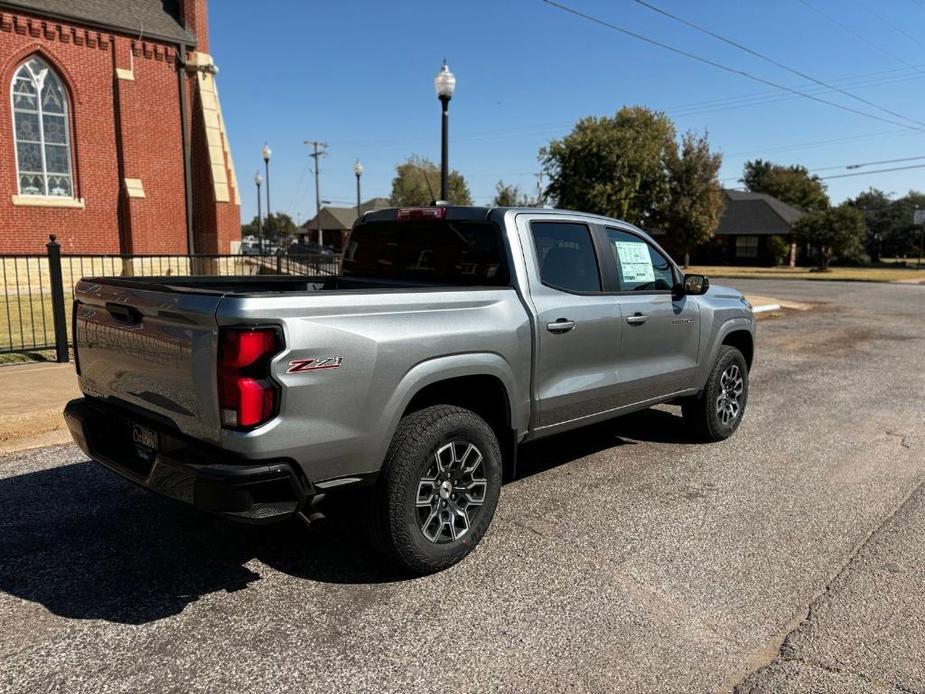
(661, 330)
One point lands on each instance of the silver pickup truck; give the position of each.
(451, 336)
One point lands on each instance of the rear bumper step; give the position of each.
(207, 478)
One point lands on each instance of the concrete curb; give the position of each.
(765, 307)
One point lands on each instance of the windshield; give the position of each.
(437, 252)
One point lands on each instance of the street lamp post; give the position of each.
(258, 179)
(445, 85)
(267, 153)
(358, 170)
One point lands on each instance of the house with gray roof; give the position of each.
(748, 222)
(335, 223)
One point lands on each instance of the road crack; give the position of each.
(876, 681)
(775, 648)
(903, 439)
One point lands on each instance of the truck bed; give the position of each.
(248, 286)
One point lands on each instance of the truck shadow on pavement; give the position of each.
(652, 426)
(86, 544)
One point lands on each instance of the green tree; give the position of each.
(613, 166)
(510, 196)
(695, 196)
(791, 184)
(835, 232)
(274, 227)
(890, 228)
(417, 182)
(876, 206)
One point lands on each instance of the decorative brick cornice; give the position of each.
(80, 36)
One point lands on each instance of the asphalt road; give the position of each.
(625, 558)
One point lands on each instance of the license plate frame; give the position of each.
(146, 441)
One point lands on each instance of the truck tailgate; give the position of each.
(152, 348)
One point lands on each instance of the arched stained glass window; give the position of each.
(40, 129)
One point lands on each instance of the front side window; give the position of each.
(40, 131)
(639, 266)
(566, 257)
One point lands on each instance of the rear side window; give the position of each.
(566, 257)
(440, 253)
(640, 267)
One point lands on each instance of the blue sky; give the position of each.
(358, 75)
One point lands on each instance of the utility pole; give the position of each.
(318, 152)
(540, 198)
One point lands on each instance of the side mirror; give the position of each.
(696, 284)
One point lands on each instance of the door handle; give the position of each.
(637, 319)
(123, 313)
(562, 325)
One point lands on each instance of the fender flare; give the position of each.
(743, 323)
(442, 368)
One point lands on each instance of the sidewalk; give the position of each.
(30, 412)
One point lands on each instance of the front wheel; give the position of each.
(439, 488)
(716, 413)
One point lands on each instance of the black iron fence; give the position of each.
(36, 290)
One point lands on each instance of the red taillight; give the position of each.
(247, 395)
(406, 213)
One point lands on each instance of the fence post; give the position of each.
(279, 261)
(57, 299)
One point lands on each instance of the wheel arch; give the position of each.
(744, 341)
(482, 383)
(739, 332)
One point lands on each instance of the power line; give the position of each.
(886, 22)
(774, 62)
(857, 35)
(745, 103)
(720, 66)
(770, 96)
(855, 166)
(298, 189)
(680, 110)
(877, 171)
(818, 143)
(866, 163)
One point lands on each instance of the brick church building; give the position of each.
(112, 136)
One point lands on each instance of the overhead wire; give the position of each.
(774, 62)
(720, 66)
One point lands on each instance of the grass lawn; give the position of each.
(26, 322)
(855, 274)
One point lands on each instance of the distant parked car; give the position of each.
(310, 249)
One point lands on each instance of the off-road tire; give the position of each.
(395, 524)
(701, 412)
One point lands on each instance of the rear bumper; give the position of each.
(203, 476)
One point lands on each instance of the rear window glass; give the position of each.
(566, 256)
(444, 253)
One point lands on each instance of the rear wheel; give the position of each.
(716, 413)
(439, 488)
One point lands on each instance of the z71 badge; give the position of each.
(299, 365)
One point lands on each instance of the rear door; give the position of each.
(578, 326)
(150, 348)
(661, 329)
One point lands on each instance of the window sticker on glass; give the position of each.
(635, 262)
